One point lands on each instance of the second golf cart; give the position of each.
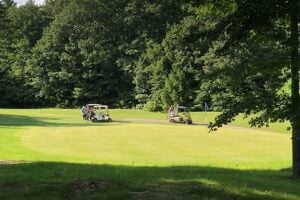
(179, 114)
(96, 113)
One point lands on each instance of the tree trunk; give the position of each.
(295, 95)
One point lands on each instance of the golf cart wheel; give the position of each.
(109, 120)
(94, 120)
(172, 120)
(188, 121)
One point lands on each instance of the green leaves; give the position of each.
(82, 43)
(153, 53)
(248, 61)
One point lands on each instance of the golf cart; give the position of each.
(179, 114)
(97, 113)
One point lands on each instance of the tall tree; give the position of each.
(148, 23)
(295, 104)
(2, 16)
(173, 65)
(1, 13)
(24, 26)
(262, 23)
(76, 58)
(9, 3)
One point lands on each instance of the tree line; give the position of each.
(67, 53)
(241, 56)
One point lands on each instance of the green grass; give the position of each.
(58, 181)
(70, 116)
(136, 158)
(241, 122)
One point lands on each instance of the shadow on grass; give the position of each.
(23, 120)
(83, 181)
(20, 120)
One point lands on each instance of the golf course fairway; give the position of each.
(139, 156)
(127, 142)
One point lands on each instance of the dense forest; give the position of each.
(138, 53)
(240, 56)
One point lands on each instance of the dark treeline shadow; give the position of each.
(50, 180)
(7, 120)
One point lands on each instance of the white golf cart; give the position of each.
(97, 113)
(179, 114)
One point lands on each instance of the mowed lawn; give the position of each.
(139, 156)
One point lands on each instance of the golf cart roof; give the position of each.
(93, 104)
(97, 105)
(101, 106)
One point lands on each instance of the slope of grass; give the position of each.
(149, 144)
(61, 135)
(241, 122)
(61, 181)
(130, 160)
(71, 116)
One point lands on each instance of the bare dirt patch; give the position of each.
(88, 185)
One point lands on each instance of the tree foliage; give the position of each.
(259, 40)
(236, 55)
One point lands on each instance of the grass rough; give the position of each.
(139, 159)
